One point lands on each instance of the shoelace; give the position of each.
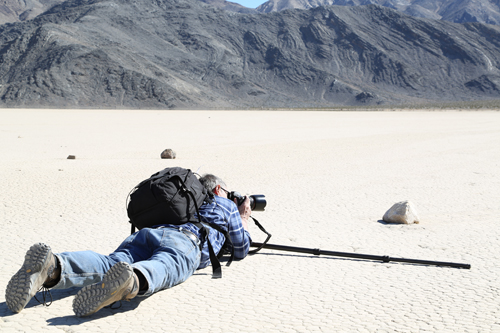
(45, 293)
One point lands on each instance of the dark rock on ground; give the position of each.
(168, 154)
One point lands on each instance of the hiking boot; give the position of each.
(40, 267)
(119, 283)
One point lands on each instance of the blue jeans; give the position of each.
(164, 256)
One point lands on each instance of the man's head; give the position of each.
(214, 185)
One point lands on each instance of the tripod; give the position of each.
(318, 252)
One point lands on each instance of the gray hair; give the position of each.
(210, 181)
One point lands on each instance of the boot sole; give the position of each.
(30, 277)
(112, 288)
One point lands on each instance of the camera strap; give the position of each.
(263, 230)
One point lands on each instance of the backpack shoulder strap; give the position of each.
(214, 260)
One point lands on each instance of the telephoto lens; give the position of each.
(257, 201)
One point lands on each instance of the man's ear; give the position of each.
(216, 189)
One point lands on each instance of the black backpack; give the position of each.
(173, 196)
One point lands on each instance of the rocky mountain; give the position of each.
(186, 54)
(17, 10)
(458, 11)
(22, 10)
(231, 6)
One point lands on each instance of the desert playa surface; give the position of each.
(328, 178)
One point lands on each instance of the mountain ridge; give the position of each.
(457, 11)
(186, 54)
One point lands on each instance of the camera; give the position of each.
(257, 201)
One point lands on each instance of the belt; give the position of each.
(191, 236)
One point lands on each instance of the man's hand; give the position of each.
(245, 211)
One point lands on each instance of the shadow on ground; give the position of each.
(56, 295)
(119, 307)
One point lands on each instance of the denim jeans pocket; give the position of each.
(176, 239)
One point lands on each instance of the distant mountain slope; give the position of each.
(21, 10)
(186, 54)
(458, 11)
(231, 6)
